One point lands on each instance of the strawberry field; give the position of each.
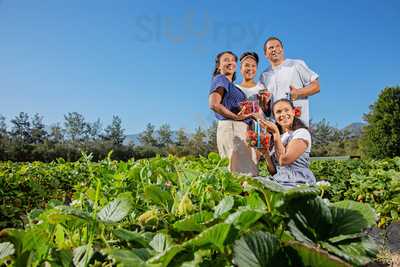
(191, 212)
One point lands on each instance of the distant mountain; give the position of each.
(355, 129)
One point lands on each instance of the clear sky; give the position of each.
(151, 61)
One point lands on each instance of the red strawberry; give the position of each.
(297, 111)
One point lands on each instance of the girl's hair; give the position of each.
(217, 62)
(297, 123)
(249, 54)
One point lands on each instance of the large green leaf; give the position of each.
(161, 242)
(365, 210)
(361, 253)
(353, 253)
(315, 257)
(115, 211)
(195, 222)
(265, 183)
(297, 234)
(347, 221)
(6, 249)
(215, 235)
(155, 194)
(225, 205)
(301, 191)
(258, 249)
(244, 217)
(312, 216)
(142, 239)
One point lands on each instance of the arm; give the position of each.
(293, 151)
(270, 165)
(308, 90)
(214, 102)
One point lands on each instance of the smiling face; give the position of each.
(227, 64)
(248, 68)
(284, 114)
(274, 52)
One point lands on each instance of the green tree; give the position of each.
(164, 135)
(197, 143)
(181, 137)
(147, 138)
(38, 132)
(56, 133)
(75, 125)
(115, 132)
(21, 128)
(93, 130)
(212, 137)
(3, 126)
(381, 136)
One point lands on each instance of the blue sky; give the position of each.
(151, 61)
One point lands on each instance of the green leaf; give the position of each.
(155, 194)
(124, 257)
(301, 191)
(315, 257)
(215, 235)
(297, 234)
(61, 258)
(264, 183)
(258, 249)
(312, 217)
(244, 218)
(198, 258)
(358, 253)
(115, 211)
(364, 209)
(6, 249)
(165, 257)
(254, 201)
(75, 212)
(139, 238)
(341, 238)
(195, 222)
(225, 205)
(347, 221)
(82, 255)
(161, 242)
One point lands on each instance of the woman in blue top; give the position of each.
(290, 158)
(224, 99)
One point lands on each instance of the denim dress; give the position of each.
(294, 174)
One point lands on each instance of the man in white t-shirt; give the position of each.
(288, 78)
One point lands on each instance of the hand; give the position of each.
(264, 99)
(294, 92)
(258, 115)
(270, 126)
(241, 116)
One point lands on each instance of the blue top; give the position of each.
(232, 96)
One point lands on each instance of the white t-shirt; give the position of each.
(251, 92)
(301, 133)
(291, 72)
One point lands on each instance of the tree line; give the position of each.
(28, 139)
